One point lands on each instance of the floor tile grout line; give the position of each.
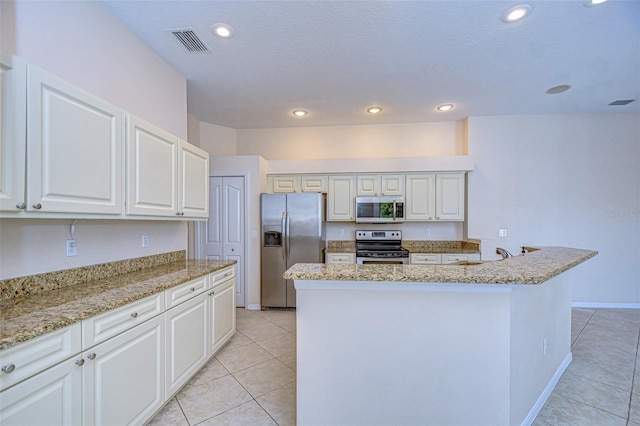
(633, 379)
(589, 405)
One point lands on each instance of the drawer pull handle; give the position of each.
(37, 206)
(8, 368)
(134, 315)
(21, 206)
(192, 289)
(91, 356)
(79, 362)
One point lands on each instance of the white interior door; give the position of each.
(222, 237)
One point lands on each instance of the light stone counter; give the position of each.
(535, 267)
(46, 302)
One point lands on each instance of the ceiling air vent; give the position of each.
(190, 40)
(622, 102)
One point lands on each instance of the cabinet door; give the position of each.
(151, 170)
(123, 378)
(420, 198)
(367, 185)
(392, 185)
(286, 184)
(53, 397)
(450, 196)
(193, 183)
(312, 183)
(75, 149)
(186, 341)
(222, 314)
(341, 198)
(13, 139)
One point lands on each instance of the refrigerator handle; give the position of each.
(284, 236)
(288, 237)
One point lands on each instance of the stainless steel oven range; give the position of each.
(380, 247)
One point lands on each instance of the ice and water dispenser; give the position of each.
(272, 236)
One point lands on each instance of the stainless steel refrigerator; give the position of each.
(293, 231)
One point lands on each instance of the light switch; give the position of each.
(502, 232)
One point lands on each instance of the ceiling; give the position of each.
(335, 59)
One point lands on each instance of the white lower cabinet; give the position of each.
(455, 257)
(347, 258)
(53, 397)
(222, 318)
(124, 378)
(186, 330)
(441, 258)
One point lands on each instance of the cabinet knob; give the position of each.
(212, 293)
(134, 315)
(8, 368)
(233, 249)
(21, 206)
(177, 213)
(79, 362)
(91, 356)
(37, 206)
(192, 289)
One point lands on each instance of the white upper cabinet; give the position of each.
(152, 170)
(341, 198)
(392, 185)
(166, 177)
(313, 183)
(13, 140)
(193, 184)
(420, 200)
(75, 149)
(286, 184)
(450, 196)
(377, 185)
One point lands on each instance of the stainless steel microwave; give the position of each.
(379, 209)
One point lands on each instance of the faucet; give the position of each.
(504, 253)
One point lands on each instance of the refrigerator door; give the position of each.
(273, 263)
(305, 237)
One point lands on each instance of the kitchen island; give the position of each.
(468, 344)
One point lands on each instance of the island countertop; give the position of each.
(25, 317)
(535, 267)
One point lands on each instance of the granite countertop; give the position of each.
(535, 267)
(28, 316)
(418, 246)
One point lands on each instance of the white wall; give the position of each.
(569, 180)
(381, 141)
(86, 45)
(219, 141)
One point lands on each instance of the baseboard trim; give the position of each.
(254, 307)
(542, 399)
(606, 305)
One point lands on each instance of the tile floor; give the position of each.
(251, 381)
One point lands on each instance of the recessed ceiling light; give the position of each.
(445, 107)
(516, 13)
(558, 89)
(223, 30)
(374, 110)
(300, 113)
(590, 3)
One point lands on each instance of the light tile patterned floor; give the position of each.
(252, 380)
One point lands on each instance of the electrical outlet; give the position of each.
(145, 241)
(544, 345)
(427, 231)
(342, 232)
(72, 248)
(502, 232)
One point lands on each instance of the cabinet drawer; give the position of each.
(104, 326)
(29, 358)
(221, 276)
(425, 259)
(340, 258)
(453, 258)
(184, 292)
